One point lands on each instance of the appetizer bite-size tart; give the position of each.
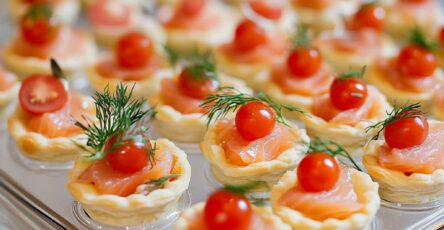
(134, 61)
(322, 194)
(179, 115)
(257, 145)
(343, 113)
(65, 10)
(412, 75)
(197, 24)
(302, 76)
(238, 213)
(251, 52)
(409, 163)
(42, 37)
(274, 13)
(42, 125)
(126, 179)
(9, 87)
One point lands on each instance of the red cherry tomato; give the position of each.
(127, 157)
(318, 172)
(370, 16)
(249, 35)
(197, 86)
(38, 26)
(406, 132)
(42, 93)
(415, 61)
(268, 9)
(225, 210)
(255, 120)
(441, 35)
(134, 50)
(192, 8)
(348, 93)
(304, 62)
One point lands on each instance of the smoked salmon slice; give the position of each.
(7, 80)
(361, 42)
(340, 202)
(174, 19)
(241, 152)
(109, 13)
(424, 158)
(109, 181)
(315, 4)
(171, 94)
(61, 123)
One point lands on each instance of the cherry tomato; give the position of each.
(348, 93)
(255, 120)
(268, 9)
(415, 61)
(249, 35)
(406, 132)
(197, 86)
(318, 172)
(304, 62)
(42, 93)
(127, 156)
(38, 26)
(225, 210)
(192, 8)
(370, 16)
(441, 35)
(134, 50)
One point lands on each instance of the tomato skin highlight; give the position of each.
(304, 62)
(39, 29)
(255, 120)
(192, 8)
(415, 61)
(41, 93)
(271, 10)
(249, 35)
(406, 132)
(370, 16)
(134, 50)
(318, 172)
(348, 93)
(197, 86)
(225, 210)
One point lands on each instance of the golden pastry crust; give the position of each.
(66, 11)
(266, 171)
(346, 135)
(8, 95)
(36, 146)
(25, 66)
(395, 95)
(176, 126)
(366, 191)
(142, 88)
(136, 208)
(395, 186)
(265, 212)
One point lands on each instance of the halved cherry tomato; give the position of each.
(348, 93)
(134, 50)
(415, 61)
(42, 93)
(304, 62)
(192, 8)
(370, 16)
(197, 86)
(249, 35)
(318, 172)
(225, 210)
(268, 9)
(406, 132)
(38, 25)
(255, 120)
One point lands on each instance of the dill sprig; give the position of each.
(418, 38)
(219, 105)
(115, 114)
(245, 188)
(159, 182)
(398, 113)
(332, 148)
(353, 74)
(40, 11)
(301, 38)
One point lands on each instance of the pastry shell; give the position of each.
(265, 212)
(265, 171)
(8, 95)
(134, 209)
(366, 191)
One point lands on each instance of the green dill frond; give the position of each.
(245, 188)
(331, 148)
(418, 38)
(39, 11)
(353, 74)
(152, 154)
(173, 55)
(398, 113)
(201, 66)
(160, 182)
(301, 38)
